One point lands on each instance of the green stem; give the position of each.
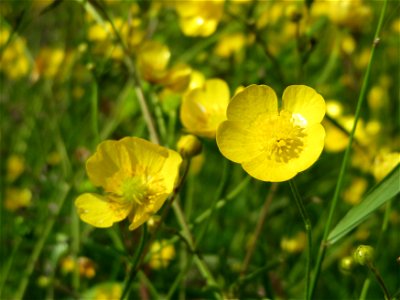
(136, 260)
(380, 281)
(364, 290)
(307, 225)
(94, 114)
(259, 227)
(62, 195)
(339, 185)
(200, 264)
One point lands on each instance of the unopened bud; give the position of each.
(363, 255)
(346, 264)
(189, 146)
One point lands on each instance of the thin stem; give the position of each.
(200, 264)
(324, 244)
(307, 226)
(364, 290)
(380, 281)
(62, 195)
(259, 227)
(136, 260)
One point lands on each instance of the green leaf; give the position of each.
(379, 195)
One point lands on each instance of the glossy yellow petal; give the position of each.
(313, 146)
(170, 171)
(304, 101)
(100, 211)
(143, 213)
(237, 143)
(251, 102)
(266, 169)
(109, 158)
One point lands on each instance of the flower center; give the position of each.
(134, 189)
(285, 138)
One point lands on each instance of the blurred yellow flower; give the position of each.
(350, 13)
(15, 167)
(230, 44)
(294, 244)
(161, 254)
(355, 191)
(137, 177)
(203, 109)
(153, 58)
(16, 198)
(273, 145)
(48, 61)
(14, 60)
(199, 18)
(177, 79)
(385, 162)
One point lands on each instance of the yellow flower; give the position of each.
(153, 58)
(199, 18)
(16, 198)
(15, 167)
(137, 177)
(203, 109)
(161, 254)
(230, 44)
(385, 162)
(355, 191)
(273, 145)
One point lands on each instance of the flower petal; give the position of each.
(254, 100)
(305, 101)
(313, 146)
(98, 211)
(108, 159)
(265, 169)
(236, 143)
(170, 170)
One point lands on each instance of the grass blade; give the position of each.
(380, 194)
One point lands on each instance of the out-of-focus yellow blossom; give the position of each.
(137, 177)
(67, 264)
(48, 61)
(384, 163)
(350, 13)
(16, 198)
(153, 58)
(197, 80)
(108, 291)
(334, 108)
(355, 191)
(14, 61)
(348, 44)
(203, 109)
(362, 59)
(199, 18)
(197, 164)
(43, 281)
(177, 78)
(86, 267)
(230, 44)
(378, 97)
(161, 254)
(396, 26)
(294, 244)
(273, 145)
(15, 167)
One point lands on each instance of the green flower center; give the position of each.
(134, 190)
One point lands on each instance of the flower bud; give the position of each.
(346, 265)
(363, 255)
(189, 146)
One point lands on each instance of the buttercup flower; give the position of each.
(199, 18)
(162, 253)
(137, 177)
(204, 108)
(273, 145)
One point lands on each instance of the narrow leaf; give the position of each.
(380, 194)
